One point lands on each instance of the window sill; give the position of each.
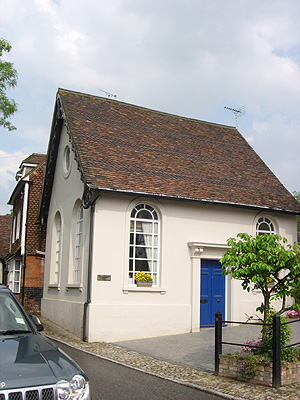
(74, 286)
(53, 286)
(153, 289)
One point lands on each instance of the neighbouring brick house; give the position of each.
(5, 226)
(25, 261)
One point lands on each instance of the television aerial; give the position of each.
(108, 94)
(239, 112)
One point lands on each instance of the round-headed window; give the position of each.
(144, 242)
(264, 225)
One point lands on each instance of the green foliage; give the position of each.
(8, 79)
(285, 338)
(261, 260)
(253, 353)
(249, 363)
(297, 197)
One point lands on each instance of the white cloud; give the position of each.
(189, 57)
(9, 164)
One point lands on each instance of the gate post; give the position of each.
(276, 373)
(218, 340)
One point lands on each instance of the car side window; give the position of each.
(11, 316)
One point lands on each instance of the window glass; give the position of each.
(67, 161)
(78, 246)
(144, 242)
(14, 270)
(57, 249)
(18, 224)
(264, 225)
(13, 317)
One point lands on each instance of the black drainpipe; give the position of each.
(25, 246)
(89, 278)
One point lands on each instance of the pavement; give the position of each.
(186, 358)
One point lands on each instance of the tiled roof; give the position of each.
(123, 147)
(34, 158)
(5, 227)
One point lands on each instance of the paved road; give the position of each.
(110, 381)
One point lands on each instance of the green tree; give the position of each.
(297, 197)
(8, 79)
(266, 263)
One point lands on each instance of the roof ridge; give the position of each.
(146, 108)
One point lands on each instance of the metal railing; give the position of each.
(276, 346)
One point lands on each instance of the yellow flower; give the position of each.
(143, 276)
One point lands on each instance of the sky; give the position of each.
(186, 57)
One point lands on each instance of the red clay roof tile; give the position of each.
(124, 147)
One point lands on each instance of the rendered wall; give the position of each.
(119, 311)
(63, 303)
(190, 231)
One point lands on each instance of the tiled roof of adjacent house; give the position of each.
(34, 158)
(5, 227)
(126, 148)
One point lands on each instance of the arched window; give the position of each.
(144, 242)
(78, 246)
(264, 225)
(57, 249)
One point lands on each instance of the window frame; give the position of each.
(13, 231)
(67, 161)
(78, 248)
(14, 276)
(144, 237)
(18, 225)
(57, 250)
(269, 222)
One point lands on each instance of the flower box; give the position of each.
(144, 283)
(230, 368)
(143, 279)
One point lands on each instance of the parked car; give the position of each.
(31, 366)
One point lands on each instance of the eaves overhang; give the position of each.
(13, 254)
(203, 201)
(59, 120)
(18, 188)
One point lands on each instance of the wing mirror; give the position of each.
(37, 323)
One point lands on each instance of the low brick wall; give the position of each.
(230, 367)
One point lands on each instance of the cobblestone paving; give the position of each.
(226, 388)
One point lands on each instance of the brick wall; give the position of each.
(230, 367)
(18, 206)
(33, 261)
(35, 242)
(36, 237)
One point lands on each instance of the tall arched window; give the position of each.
(265, 225)
(78, 246)
(57, 249)
(144, 242)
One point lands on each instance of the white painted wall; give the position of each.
(63, 304)
(119, 311)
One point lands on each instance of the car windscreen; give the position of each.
(12, 319)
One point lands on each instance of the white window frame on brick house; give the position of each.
(14, 275)
(13, 231)
(18, 225)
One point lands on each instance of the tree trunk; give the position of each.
(266, 314)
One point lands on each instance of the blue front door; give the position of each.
(212, 295)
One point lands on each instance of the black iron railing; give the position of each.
(276, 347)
